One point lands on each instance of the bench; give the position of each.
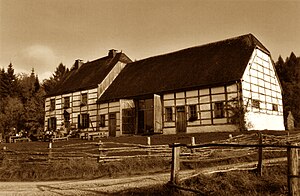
(94, 135)
(99, 135)
(21, 139)
(59, 138)
(12, 139)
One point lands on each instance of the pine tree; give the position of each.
(9, 83)
(288, 73)
(59, 75)
(291, 67)
(60, 72)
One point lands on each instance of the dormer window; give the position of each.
(84, 99)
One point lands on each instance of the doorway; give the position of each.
(180, 119)
(112, 124)
(145, 116)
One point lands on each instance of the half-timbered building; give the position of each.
(72, 103)
(221, 86)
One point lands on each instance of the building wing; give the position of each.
(88, 75)
(211, 64)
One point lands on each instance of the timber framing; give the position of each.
(196, 89)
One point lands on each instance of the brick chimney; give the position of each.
(77, 64)
(112, 53)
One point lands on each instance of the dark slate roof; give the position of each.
(88, 75)
(215, 63)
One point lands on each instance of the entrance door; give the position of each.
(141, 122)
(180, 119)
(112, 124)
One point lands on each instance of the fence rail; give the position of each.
(232, 145)
(292, 160)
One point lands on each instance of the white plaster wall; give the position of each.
(75, 108)
(110, 78)
(204, 107)
(260, 83)
(259, 121)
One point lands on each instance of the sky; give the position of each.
(41, 34)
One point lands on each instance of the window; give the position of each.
(255, 103)
(145, 115)
(193, 113)
(66, 102)
(52, 124)
(128, 121)
(67, 119)
(219, 110)
(169, 114)
(84, 99)
(83, 121)
(102, 120)
(274, 107)
(52, 104)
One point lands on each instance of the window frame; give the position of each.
(52, 104)
(52, 123)
(66, 102)
(255, 103)
(193, 112)
(219, 109)
(102, 120)
(84, 99)
(168, 114)
(67, 118)
(83, 121)
(274, 107)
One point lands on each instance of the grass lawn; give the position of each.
(77, 159)
(240, 183)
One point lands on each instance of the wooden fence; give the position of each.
(292, 160)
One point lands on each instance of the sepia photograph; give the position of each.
(149, 97)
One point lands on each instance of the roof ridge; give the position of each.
(192, 67)
(206, 44)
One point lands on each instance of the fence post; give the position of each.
(193, 144)
(50, 145)
(292, 159)
(260, 155)
(175, 167)
(49, 155)
(148, 141)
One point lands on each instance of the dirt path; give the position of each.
(108, 186)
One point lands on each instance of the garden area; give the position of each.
(143, 155)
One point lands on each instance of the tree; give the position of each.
(22, 102)
(8, 82)
(33, 102)
(288, 72)
(280, 68)
(33, 118)
(59, 75)
(291, 64)
(10, 115)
